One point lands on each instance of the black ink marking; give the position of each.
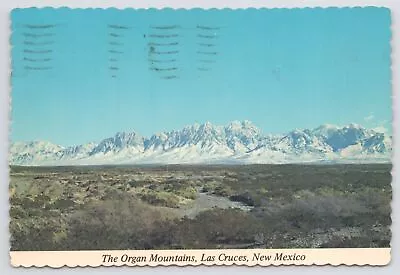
(37, 68)
(151, 50)
(207, 36)
(163, 44)
(113, 34)
(38, 51)
(206, 45)
(37, 59)
(207, 53)
(207, 28)
(48, 26)
(116, 52)
(163, 69)
(119, 27)
(170, 27)
(115, 43)
(113, 59)
(167, 52)
(113, 68)
(37, 35)
(163, 35)
(169, 77)
(162, 61)
(32, 43)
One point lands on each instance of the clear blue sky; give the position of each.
(280, 68)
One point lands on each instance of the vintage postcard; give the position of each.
(200, 137)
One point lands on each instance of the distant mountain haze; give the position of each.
(239, 142)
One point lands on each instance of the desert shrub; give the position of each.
(16, 211)
(327, 191)
(33, 223)
(209, 186)
(322, 211)
(223, 191)
(136, 183)
(244, 198)
(183, 189)
(32, 201)
(292, 203)
(36, 233)
(218, 226)
(125, 223)
(378, 202)
(355, 242)
(188, 192)
(63, 204)
(160, 198)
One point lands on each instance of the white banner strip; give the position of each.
(247, 257)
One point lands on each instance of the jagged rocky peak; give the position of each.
(237, 141)
(118, 142)
(25, 153)
(302, 141)
(77, 150)
(36, 146)
(354, 126)
(348, 135)
(325, 130)
(157, 141)
(240, 125)
(207, 126)
(206, 129)
(207, 134)
(242, 135)
(375, 144)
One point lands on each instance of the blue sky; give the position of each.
(282, 69)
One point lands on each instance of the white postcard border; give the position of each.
(4, 99)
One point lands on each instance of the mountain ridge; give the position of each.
(236, 142)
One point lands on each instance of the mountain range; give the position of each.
(239, 142)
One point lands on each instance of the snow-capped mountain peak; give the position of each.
(120, 141)
(325, 130)
(237, 142)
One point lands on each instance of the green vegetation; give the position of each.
(290, 206)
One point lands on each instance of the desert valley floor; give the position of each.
(188, 207)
